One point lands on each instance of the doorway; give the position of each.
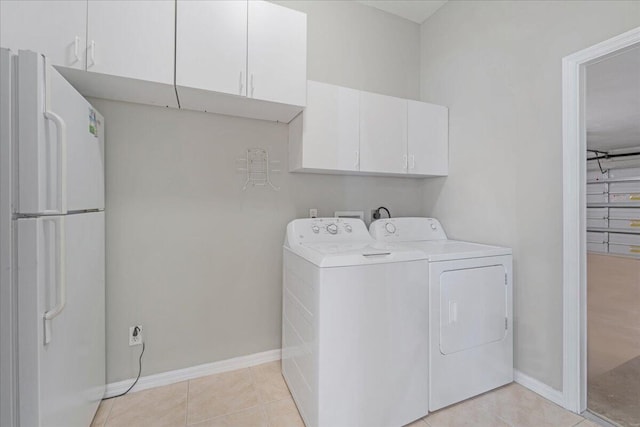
(612, 123)
(601, 260)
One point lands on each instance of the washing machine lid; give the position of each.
(341, 242)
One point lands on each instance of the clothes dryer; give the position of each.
(470, 308)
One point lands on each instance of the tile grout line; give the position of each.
(186, 411)
(262, 404)
(259, 405)
(225, 415)
(106, 419)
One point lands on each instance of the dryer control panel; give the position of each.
(319, 230)
(407, 230)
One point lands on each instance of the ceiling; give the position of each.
(613, 102)
(413, 10)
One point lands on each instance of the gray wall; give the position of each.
(360, 47)
(192, 257)
(497, 66)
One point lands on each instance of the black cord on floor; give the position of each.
(136, 381)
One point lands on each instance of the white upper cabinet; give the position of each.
(56, 29)
(428, 136)
(277, 53)
(236, 57)
(347, 131)
(133, 39)
(326, 135)
(241, 58)
(383, 134)
(211, 45)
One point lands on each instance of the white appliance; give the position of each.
(354, 325)
(52, 248)
(470, 309)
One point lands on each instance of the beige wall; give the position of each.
(497, 66)
(192, 257)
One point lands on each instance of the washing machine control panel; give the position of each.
(310, 230)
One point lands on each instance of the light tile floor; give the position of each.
(258, 397)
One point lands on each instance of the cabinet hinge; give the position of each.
(505, 279)
(506, 324)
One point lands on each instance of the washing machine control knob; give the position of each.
(315, 229)
(434, 227)
(332, 228)
(348, 228)
(390, 228)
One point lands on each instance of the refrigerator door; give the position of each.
(61, 374)
(8, 300)
(61, 145)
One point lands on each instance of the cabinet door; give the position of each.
(133, 39)
(383, 133)
(56, 29)
(330, 128)
(277, 54)
(211, 45)
(428, 136)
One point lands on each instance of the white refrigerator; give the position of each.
(52, 243)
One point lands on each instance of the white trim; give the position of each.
(574, 217)
(539, 387)
(178, 375)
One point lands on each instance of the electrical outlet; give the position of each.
(135, 338)
(313, 213)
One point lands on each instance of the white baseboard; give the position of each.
(178, 375)
(539, 387)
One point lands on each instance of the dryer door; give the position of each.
(470, 328)
(473, 307)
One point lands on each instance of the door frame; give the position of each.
(574, 145)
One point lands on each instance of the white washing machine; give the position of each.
(354, 323)
(470, 309)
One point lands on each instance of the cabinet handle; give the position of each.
(413, 162)
(357, 159)
(404, 162)
(76, 49)
(92, 52)
(241, 83)
(252, 86)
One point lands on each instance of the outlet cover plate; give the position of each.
(137, 340)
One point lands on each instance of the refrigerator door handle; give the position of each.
(61, 131)
(61, 279)
(61, 134)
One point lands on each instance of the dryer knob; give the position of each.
(434, 227)
(390, 228)
(332, 229)
(348, 228)
(315, 229)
